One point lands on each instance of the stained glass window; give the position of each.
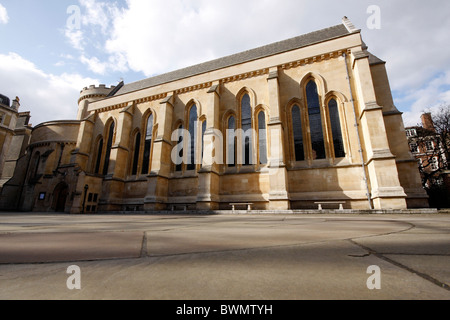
(99, 156)
(315, 121)
(231, 142)
(338, 143)
(148, 145)
(193, 135)
(246, 123)
(179, 167)
(298, 134)
(137, 146)
(203, 140)
(262, 138)
(108, 148)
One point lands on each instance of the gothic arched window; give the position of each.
(99, 156)
(108, 148)
(193, 119)
(246, 126)
(147, 145)
(203, 139)
(262, 135)
(137, 150)
(297, 129)
(336, 131)
(315, 121)
(179, 167)
(231, 142)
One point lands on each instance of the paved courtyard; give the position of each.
(225, 257)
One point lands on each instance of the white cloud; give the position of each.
(99, 14)
(46, 96)
(156, 40)
(94, 64)
(94, 19)
(428, 98)
(4, 18)
(95, 25)
(76, 38)
(153, 37)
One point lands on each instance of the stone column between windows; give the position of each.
(113, 185)
(208, 175)
(80, 155)
(386, 191)
(158, 179)
(278, 180)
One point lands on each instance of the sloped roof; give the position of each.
(246, 56)
(373, 59)
(4, 100)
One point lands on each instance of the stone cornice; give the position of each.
(137, 101)
(314, 59)
(88, 96)
(380, 154)
(11, 131)
(245, 75)
(370, 106)
(238, 77)
(194, 88)
(391, 113)
(118, 146)
(49, 143)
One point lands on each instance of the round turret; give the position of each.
(91, 94)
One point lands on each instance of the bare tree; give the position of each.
(441, 121)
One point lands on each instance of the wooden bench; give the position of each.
(247, 204)
(320, 203)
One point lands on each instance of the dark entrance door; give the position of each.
(60, 194)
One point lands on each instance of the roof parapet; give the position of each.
(349, 25)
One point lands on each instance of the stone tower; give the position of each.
(91, 94)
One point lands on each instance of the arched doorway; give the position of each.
(60, 197)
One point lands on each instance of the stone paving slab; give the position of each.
(279, 232)
(314, 271)
(224, 257)
(55, 247)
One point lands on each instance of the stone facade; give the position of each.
(15, 133)
(325, 128)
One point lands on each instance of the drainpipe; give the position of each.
(357, 133)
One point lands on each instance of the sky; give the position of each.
(51, 50)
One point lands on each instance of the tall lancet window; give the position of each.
(336, 131)
(299, 149)
(315, 121)
(193, 118)
(231, 142)
(148, 146)
(108, 148)
(262, 132)
(137, 151)
(98, 161)
(203, 140)
(246, 126)
(179, 167)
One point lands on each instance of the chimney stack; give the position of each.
(427, 121)
(16, 104)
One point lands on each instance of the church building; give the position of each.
(283, 126)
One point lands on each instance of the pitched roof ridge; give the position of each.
(274, 48)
